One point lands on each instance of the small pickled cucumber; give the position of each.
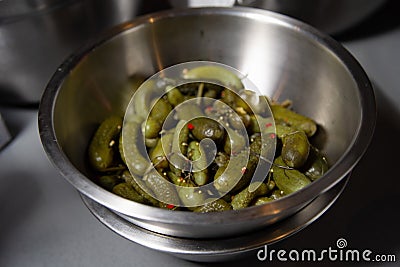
(161, 150)
(295, 149)
(245, 197)
(191, 195)
(238, 175)
(234, 142)
(152, 128)
(134, 158)
(125, 190)
(179, 148)
(288, 180)
(316, 165)
(109, 181)
(262, 201)
(128, 178)
(207, 128)
(277, 194)
(217, 205)
(160, 110)
(216, 73)
(101, 148)
(175, 96)
(163, 190)
(197, 154)
(294, 119)
(177, 178)
(283, 130)
(188, 110)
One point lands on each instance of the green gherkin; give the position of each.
(217, 205)
(245, 197)
(295, 149)
(294, 119)
(101, 148)
(288, 180)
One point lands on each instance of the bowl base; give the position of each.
(210, 250)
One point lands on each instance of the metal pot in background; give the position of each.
(330, 16)
(105, 13)
(37, 35)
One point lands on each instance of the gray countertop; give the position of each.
(43, 221)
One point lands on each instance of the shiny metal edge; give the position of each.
(5, 136)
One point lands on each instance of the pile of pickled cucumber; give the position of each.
(295, 164)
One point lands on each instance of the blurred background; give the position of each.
(37, 35)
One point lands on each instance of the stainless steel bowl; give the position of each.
(285, 58)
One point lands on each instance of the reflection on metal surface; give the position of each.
(34, 41)
(5, 136)
(12, 9)
(202, 3)
(37, 35)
